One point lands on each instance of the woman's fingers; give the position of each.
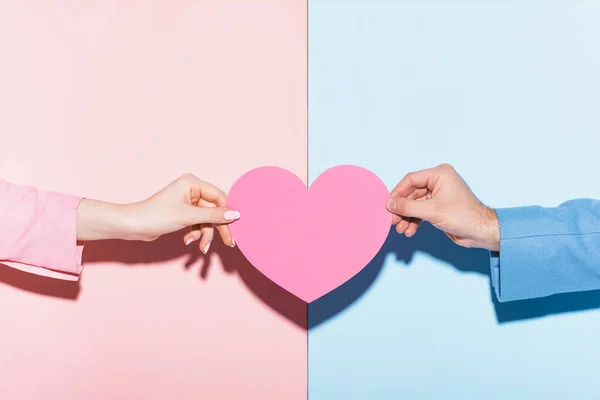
(225, 234)
(222, 228)
(211, 193)
(200, 189)
(193, 235)
(208, 232)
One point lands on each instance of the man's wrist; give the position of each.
(491, 227)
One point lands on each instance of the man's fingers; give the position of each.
(401, 227)
(422, 209)
(424, 179)
(418, 194)
(412, 182)
(412, 227)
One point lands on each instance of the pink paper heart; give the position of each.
(309, 242)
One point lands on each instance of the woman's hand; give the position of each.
(188, 201)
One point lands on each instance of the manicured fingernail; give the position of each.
(232, 242)
(231, 215)
(206, 248)
(190, 240)
(391, 205)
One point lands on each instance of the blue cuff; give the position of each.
(544, 252)
(495, 272)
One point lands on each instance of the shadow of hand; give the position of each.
(435, 243)
(165, 248)
(171, 246)
(42, 285)
(428, 240)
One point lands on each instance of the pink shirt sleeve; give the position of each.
(38, 231)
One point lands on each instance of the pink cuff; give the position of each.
(38, 232)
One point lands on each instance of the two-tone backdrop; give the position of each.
(113, 100)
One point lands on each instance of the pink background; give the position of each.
(113, 100)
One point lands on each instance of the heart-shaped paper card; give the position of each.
(310, 241)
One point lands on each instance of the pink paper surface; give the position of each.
(114, 100)
(310, 241)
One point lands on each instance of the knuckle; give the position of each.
(446, 167)
(401, 207)
(409, 178)
(187, 177)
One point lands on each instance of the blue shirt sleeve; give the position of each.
(546, 251)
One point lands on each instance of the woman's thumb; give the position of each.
(213, 215)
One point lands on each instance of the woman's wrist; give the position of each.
(98, 220)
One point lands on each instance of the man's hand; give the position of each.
(440, 196)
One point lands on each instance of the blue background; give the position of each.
(509, 93)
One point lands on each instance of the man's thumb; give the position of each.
(404, 207)
(214, 215)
